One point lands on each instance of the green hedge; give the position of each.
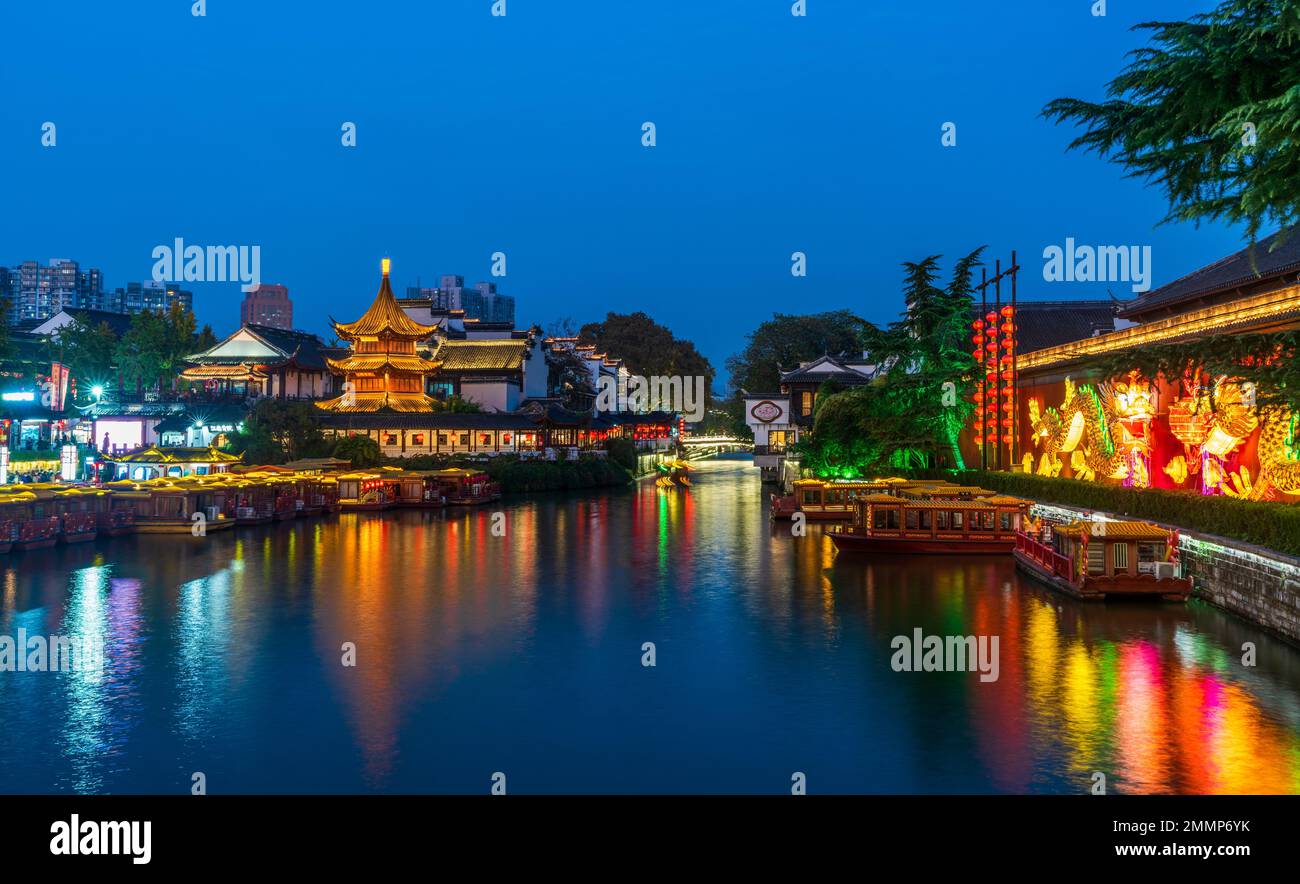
(523, 476)
(1275, 526)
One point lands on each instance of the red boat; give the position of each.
(883, 523)
(1099, 560)
(32, 520)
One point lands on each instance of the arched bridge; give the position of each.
(698, 447)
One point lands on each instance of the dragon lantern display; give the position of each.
(1106, 430)
(1103, 428)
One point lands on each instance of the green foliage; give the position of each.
(457, 405)
(909, 417)
(623, 453)
(151, 353)
(785, 340)
(279, 430)
(1177, 115)
(1275, 526)
(363, 451)
(88, 350)
(647, 348)
(525, 475)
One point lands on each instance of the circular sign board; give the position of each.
(766, 412)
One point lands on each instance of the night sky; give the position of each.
(522, 134)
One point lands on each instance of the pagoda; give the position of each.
(384, 372)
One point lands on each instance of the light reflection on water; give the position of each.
(522, 654)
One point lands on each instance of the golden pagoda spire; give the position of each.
(385, 318)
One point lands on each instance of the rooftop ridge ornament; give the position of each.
(385, 318)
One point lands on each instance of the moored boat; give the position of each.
(884, 523)
(1099, 560)
(170, 506)
(466, 487)
(79, 510)
(31, 520)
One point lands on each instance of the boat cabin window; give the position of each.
(1004, 521)
(1121, 557)
(1096, 558)
(913, 519)
(987, 517)
(957, 521)
(812, 495)
(1148, 555)
(941, 520)
(925, 520)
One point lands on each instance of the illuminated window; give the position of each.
(806, 403)
(390, 439)
(1121, 556)
(417, 439)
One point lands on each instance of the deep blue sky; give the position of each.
(523, 134)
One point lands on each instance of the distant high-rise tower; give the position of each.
(267, 305)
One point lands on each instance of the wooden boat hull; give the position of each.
(922, 546)
(186, 527)
(43, 543)
(80, 537)
(286, 515)
(254, 520)
(366, 507)
(1140, 586)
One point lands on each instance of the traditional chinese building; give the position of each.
(384, 372)
(1193, 433)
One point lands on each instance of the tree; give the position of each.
(151, 353)
(648, 348)
(361, 450)
(89, 351)
(911, 415)
(1209, 111)
(569, 379)
(785, 340)
(457, 405)
(279, 430)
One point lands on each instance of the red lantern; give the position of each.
(1008, 311)
(990, 317)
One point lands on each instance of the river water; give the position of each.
(523, 655)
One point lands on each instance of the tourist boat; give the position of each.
(37, 518)
(884, 523)
(165, 506)
(367, 490)
(11, 516)
(467, 487)
(254, 500)
(1096, 560)
(833, 500)
(27, 521)
(117, 518)
(80, 510)
(420, 489)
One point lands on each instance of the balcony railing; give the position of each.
(1044, 555)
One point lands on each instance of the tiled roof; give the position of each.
(376, 361)
(489, 355)
(1043, 324)
(385, 317)
(1114, 530)
(369, 402)
(1274, 257)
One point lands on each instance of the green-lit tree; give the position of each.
(910, 417)
(1210, 111)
